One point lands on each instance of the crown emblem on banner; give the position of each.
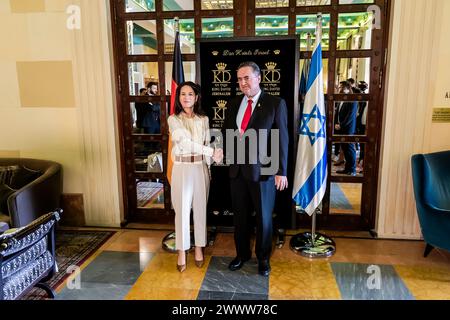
(276, 51)
(215, 53)
(221, 103)
(271, 65)
(221, 66)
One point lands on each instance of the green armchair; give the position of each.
(431, 181)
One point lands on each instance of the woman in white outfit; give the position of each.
(191, 155)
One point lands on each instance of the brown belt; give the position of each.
(190, 158)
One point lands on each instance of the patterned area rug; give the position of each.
(72, 249)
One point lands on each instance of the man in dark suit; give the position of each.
(141, 111)
(345, 124)
(152, 120)
(252, 117)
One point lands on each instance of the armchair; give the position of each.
(431, 181)
(29, 199)
(27, 257)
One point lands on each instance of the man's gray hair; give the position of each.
(252, 65)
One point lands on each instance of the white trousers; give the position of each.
(189, 189)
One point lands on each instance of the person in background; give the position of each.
(152, 88)
(352, 82)
(152, 121)
(361, 122)
(345, 124)
(141, 110)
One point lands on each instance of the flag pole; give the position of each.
(313, 223)
(318, 36)
(313, 244)
(308, 42)
(177, 26)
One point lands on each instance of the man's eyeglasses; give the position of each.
(246, 79)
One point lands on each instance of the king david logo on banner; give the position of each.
(221, 74)
(219, 111)
(310, 179)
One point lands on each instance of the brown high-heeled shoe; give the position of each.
(182, 267)
(199, 263)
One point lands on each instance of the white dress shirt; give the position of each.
(243, 106)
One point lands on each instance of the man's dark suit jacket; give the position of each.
(347, 117)
(269, 113)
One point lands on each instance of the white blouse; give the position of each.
(190, 136)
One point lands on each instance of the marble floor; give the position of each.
(132, 265)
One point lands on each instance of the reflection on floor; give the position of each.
(132, 265)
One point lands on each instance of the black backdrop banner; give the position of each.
(217, 63)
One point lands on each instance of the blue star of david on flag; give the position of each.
(305, 128)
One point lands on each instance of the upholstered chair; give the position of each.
(431, 181)
(28, 189)
(27, 257)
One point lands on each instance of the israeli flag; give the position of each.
(311, 166)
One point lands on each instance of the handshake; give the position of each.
(218, 155)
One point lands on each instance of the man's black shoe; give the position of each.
(236, 264)
(264, 268)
